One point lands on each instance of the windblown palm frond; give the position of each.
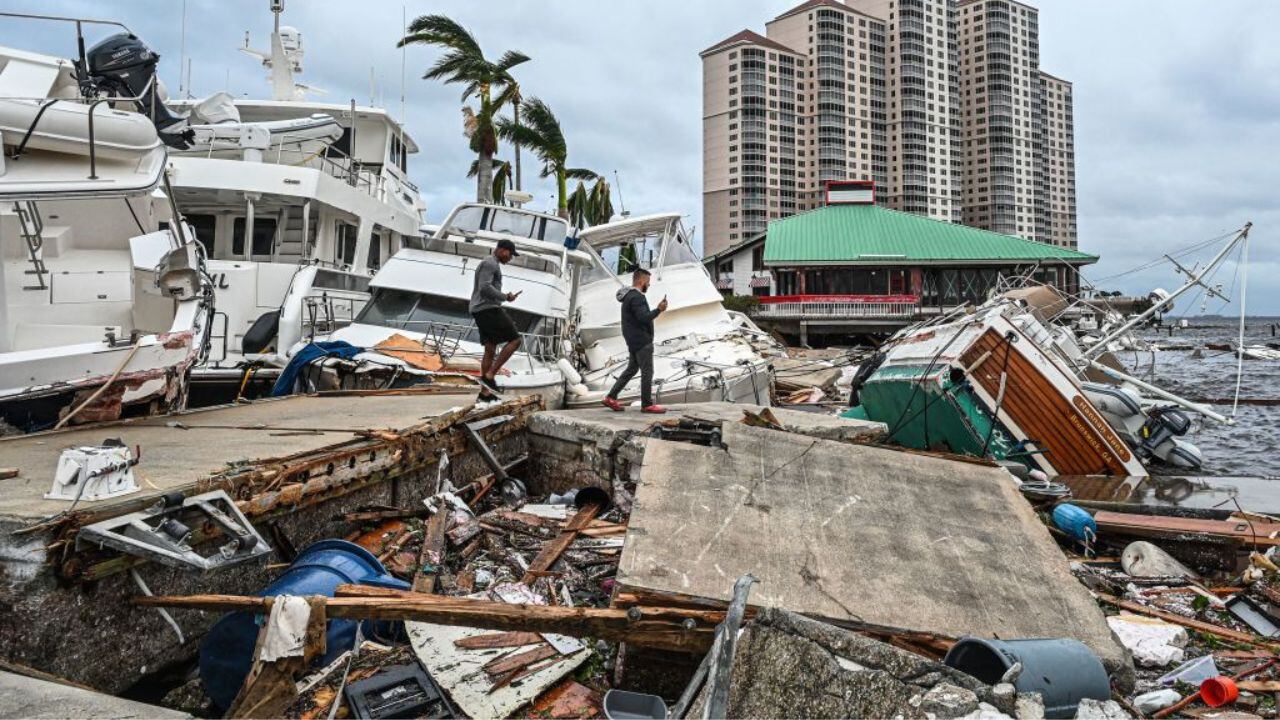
(464, 63)
(539, 130)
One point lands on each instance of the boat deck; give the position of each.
(178, 450)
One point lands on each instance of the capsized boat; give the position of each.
(702, 352)
(104, 301)
(988, 383)
(417, 328)
(1010, 381)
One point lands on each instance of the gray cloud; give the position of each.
(1177, 103)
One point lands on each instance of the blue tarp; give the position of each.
(308, 354)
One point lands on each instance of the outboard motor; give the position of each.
(123, 65)
(1159, 439)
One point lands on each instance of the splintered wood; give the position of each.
(554, 549)
(659, 627)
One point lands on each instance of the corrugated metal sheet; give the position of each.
(870, 234)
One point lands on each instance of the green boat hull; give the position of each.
(928, 411)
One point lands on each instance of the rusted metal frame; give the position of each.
(413, 450)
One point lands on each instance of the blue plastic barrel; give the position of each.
(1074, 521)
(227, 651)
(1063, 670)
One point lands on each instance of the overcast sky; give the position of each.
(1177, 103)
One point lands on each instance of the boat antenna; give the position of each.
(404, 26)
(182, 52)
(622, 205)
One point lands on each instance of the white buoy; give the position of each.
(569, 371)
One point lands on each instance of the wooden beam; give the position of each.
(431, 558)
(553, 550)
(659, 627)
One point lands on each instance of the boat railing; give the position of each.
(810, 307)
(446, 339)
(291, 150)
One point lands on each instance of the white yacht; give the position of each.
(297, 203)
(701, 350)
(104, 302)
(417, 328)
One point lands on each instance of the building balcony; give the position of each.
(837, 307)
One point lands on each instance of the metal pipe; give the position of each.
(1101, 345)
(1194, 407)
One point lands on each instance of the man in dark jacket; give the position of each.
(637, 330)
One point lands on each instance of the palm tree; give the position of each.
(489, 82)
(593, 207)
(501, 178)
(540, 132)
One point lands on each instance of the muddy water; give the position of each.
(1250, 447)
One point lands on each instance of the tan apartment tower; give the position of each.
(752, 142)
(940, 102)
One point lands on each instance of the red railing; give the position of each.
(812, 307)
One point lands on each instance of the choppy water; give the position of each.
(1250, 447)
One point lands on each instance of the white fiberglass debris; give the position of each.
(1154, 643)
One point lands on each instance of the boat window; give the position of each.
(462, 248)
(264, 235)
(345, 244)
(424, 313)
(204, 227)
(374, 259)
(509, 221)
(679, 252)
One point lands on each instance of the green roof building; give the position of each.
(855, 261)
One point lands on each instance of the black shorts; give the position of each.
(495, 327)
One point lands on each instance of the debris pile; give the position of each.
(1194, 597)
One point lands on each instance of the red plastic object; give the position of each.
(1219, 691)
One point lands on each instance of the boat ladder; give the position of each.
(32, 229)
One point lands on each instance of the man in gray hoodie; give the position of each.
(637, 330)
(492, 322)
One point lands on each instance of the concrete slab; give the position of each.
(601, 422)
(174, 458)
(24, 697)
(596, 445)
(855, 533)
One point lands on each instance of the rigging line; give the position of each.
(1180, 252)
(1244, 289)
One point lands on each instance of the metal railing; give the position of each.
(837, 307)
(446, 339)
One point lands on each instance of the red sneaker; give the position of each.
(613, 405)
(656, 409)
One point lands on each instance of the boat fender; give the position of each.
(569, 371)
(261, 334)
(1075, 521)
(579, 390)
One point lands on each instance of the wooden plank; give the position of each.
(553, 550)
(1248, 532)
(431, 558)
(1256, 686)
(498, 640)
(518, 661)
(644, 626)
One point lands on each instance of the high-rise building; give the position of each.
(940, 102)
(1059, 159)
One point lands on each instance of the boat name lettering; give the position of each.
(1101, 427)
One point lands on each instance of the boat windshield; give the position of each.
(439, 315)
(646, 250)
(509, 221)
